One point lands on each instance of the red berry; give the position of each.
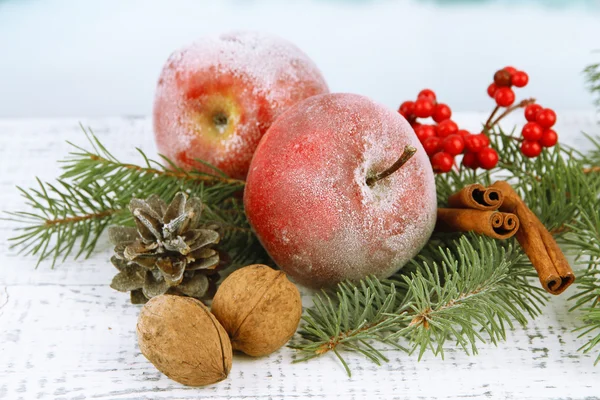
(519, 79)
(492, 90)
(504, 97)
(453, 144)
(532, 131)
(549, 138)
(427, 94)
(487, 158)
(511, 70)
(447, 127)
(442, 112)
(432, 145)
(531, 148)
(463, 132)
(424, 132)
(474, 143)
(442, 162)
(484, 139)
(407, 109)
(502, 78)
(531, 112)
(546, 118)
(470, 160)
(424, 108)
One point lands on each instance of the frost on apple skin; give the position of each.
(263, 73)
(308, 200)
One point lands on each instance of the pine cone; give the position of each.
(168, 251)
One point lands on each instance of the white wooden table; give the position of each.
(64, 334)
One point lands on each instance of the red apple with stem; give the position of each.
(216, 98)
(340, 188)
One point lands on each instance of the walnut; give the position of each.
(259, 308)
(184, 340)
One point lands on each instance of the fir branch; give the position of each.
(94, 192)
(64, 216)
(124, 181)
(592, 77)
(584, 240)
(453, 291)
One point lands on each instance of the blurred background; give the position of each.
(92, 58)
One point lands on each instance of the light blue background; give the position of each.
(100, 58)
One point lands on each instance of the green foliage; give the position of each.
(592, 77)
(467, 290)
(585, 243)
(64, 215)
(94, 191)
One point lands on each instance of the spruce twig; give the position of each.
(457, 290)
(94, 191)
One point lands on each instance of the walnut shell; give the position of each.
(184, 340)
(259, 308)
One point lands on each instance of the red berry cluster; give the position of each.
(536, 132)
(504, 79)
(443, 140)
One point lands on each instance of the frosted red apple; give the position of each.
(216, 98)
(308, 200)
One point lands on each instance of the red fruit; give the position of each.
(442, 112)
(424, 108)
(470, 160)
(414, 124)
(546, 118)
(447, 127)
(463, 132)
(484, 139)
(531, 112)
(519, 79)
(502, 78)
(531, 148)
(424, 132)
(549, 138)
(427, 94)
(532, 131)
(487, 158)
(492, 90)
(453, 144)
(474, 143)
(296, 207)
(504, 97)
(442, 162)
(407, 109)
(511, 70)
(210, 105)
(432, 145)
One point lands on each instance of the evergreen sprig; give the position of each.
(585, 244)
(64, 215)
(467, 290)
(122, 181)
(95, 189)
(592, 76)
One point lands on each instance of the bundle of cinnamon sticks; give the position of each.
(499, 212)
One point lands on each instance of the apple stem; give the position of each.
(408, 152)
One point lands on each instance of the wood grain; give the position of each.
(64, 334)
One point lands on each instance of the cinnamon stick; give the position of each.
(494, 224)
(552, 267)
(476, 196)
